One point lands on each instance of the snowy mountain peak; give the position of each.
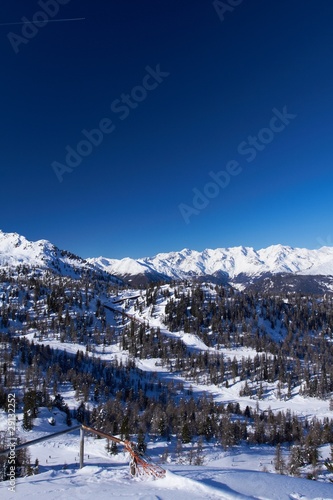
(16, 250)
(220, 264)
(226, 263)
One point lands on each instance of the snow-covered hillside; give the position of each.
(112, 347)
(222, 264)
(16, 250)
(227, 263)
(105, 481)
(246, 474)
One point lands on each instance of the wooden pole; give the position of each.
(39, 440)
(81, 447)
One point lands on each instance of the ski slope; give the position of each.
(106, 481)
(241, 473)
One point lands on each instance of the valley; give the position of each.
(198, 371)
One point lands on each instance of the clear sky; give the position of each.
(215, 124)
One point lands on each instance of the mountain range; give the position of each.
(276, 266)
(16, 250)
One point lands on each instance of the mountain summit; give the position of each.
(239, 266)
(223, 264)
(16, 250)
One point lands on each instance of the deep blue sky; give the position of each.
(225, 78)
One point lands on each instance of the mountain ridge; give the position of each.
(16, 250)
(239, 266)
(227, 263)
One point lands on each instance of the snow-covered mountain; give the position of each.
(236, 264)
(241, 266)
(16, 250)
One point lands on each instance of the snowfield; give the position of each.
(106, 481)
(185, 264)
(241, 473)
(229, 261)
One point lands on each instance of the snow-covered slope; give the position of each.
(227, 263)
(188, 482)
(136, 271)
(16, 250)
(225, 476)
(237, 264)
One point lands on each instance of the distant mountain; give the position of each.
(241, 266)
(273, 268)
(135, 272)
(16, 250)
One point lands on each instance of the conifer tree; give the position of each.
(279, 462)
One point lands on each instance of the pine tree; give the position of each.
(36, 466)
(199, 457)
(27, 421)
(279, 463)
(114, 448)
(295, 460)
(186, 435)
(124, 429)
(142, 445)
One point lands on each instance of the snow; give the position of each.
(230, 261)
(16, 250)
(122, 267)
(104, 479)
(243, 472)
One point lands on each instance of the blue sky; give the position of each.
(178, 90)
